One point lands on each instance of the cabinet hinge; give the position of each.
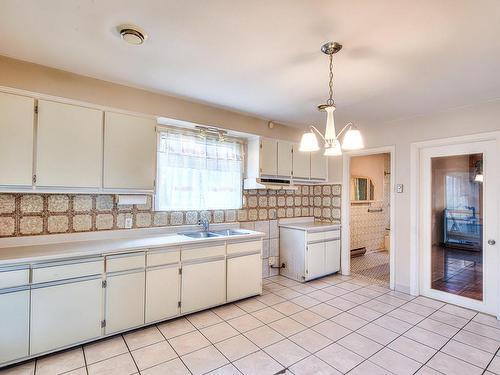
(103, 323)
(36, 109)
(104, 283)
(307, 272)
(260, 145)
(34, 179)
(179, 304)
(180, 271)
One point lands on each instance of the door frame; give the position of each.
(416, 197)
(346, 212)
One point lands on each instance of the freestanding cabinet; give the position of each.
(309, 250)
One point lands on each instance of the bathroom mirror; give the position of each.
(362, 189)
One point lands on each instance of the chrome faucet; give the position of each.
(205, 223)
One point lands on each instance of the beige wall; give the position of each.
(40, 79)
(484, 117)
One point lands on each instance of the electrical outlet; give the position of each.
(399, 188)
(128, 222)
(274, 261)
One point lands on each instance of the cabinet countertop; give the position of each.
(310, 226)
(75, 249)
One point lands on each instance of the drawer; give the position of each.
(160, 257)
(332, 234)
(54, 271)
(244, 247)
(124, 262)
(202, 252)
(315, 236)
(14, 276)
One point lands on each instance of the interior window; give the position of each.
(196, 173)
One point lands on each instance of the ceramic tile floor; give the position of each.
(334, 325)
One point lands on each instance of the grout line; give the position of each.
(442, 346)
(175, 351)
(130, 352)
(491, 360)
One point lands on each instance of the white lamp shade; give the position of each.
(330, 124)
(309, 142)
(353, 140)
(334, 149)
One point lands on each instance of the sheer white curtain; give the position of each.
(198, 174)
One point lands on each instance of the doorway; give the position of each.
(458, 224)
(368, 215)
(369, 195)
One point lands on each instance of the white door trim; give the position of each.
(346, 212)
(415, 166)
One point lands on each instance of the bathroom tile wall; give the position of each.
(35, 214)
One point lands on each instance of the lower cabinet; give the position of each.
(14, 324)
(244, 276)
(315, 259)
(125, 300)
(162, 292)
(332, 256)
(203, 284)
(65, 312)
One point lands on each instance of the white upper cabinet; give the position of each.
(69, 146)
(301, 163)
(284, 159)
(129, 152)
(268, 157)
(16, 139)
(319, 165)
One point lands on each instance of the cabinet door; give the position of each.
(318, 165)
(14, 325)
(162, 292)
(69, 146)
(129, 152)
(16, 139)
(65, 313)
(284, 159)
(301, 163)
(268, 157)
(244, 276)
(332, 256)
(203, 285)
(124, 301)
(315, 260)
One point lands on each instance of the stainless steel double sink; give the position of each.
(214, 233)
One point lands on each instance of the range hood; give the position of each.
(268, 183)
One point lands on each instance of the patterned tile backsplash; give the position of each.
(34, 214)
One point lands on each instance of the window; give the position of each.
(197, 173)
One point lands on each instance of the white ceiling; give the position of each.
(400, 58)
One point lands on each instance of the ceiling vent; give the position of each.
(132, 34)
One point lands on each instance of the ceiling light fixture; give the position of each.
(132, 34)
(352, 138)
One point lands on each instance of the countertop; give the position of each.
(72, 249)
(310, 226)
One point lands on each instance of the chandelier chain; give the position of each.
(330, 99)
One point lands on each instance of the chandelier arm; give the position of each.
(344, 128)
(317, 131)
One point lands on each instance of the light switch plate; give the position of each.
(399, 188)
